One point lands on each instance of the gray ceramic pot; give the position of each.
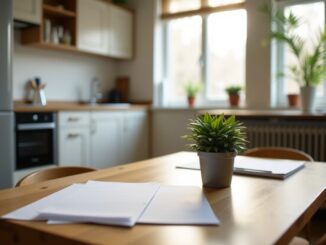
(216, 168)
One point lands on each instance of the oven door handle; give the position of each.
(36, 126)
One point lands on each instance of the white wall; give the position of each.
(140, 70)
(258, 58)
(67, 75)
(168, 128)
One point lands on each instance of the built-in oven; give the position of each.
(35, 139)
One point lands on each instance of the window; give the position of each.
(226, 52)
(215, 3)
(184, 52)
(312, 14)
(182, 5)
(202, 48)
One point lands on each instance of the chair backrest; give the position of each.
(278, 153)
(52, 173)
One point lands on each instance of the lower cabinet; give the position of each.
(74, 139)
(74, 147)
(135, 135)
(102, 139)
(105, 138)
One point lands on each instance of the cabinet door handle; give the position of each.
(73, 119)
(93, 127)
(73, 135)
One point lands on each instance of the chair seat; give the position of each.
(52, 173)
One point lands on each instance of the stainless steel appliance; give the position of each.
(6, 104)
(35, 140)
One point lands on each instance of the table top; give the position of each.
(253, 210)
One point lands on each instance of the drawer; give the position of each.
(72, 118)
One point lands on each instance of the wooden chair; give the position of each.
(284, 153)
(279, 153)
(52, 173)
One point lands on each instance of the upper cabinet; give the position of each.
(87, 26)
(58, 26)
(92, 26)
(105, 29)
(121, 32)
(28, 11)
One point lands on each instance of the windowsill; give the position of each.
(235, 108)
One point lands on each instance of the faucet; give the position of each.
(95, 90)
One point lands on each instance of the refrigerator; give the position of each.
(7, 134)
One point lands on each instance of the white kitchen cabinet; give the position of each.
(135, 136)
(121, 32)
(74, 139)
(106, 128)
(105, 29)
(102, 139)
(28, 11)
(92, 26)
(118, 137)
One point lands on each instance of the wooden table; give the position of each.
(253, 211)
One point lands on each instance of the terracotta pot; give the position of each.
(293, 100)
(234, 99)
(191, 101)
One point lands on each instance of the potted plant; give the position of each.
(217, 140)
(309, 68)
(192, 89)
(293, 100)
(234, 94)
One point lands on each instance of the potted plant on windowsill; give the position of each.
(192, 89)
(217, 140)
(293, 100)
(309, 68)
(234, 94)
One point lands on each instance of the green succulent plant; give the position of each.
(310, 68)
(217, 134)
(192, 89)
(233, 89)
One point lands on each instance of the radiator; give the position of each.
(309, 137)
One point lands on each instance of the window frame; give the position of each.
(281, 100)
(203, 60)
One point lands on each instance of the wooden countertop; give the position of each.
(75, 106)
(252, 211)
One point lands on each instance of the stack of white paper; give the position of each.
(121, 204)
(274, 168)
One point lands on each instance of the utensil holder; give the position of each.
(39, 97)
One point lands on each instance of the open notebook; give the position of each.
(265, 167)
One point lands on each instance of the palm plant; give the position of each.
(217, 134)
(310, 68)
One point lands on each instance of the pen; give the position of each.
(252, 170)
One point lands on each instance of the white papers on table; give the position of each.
(121, 204)
(179, 205)
(103, 203)
(31, 211)
(275, 168)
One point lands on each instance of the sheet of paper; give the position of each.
(257, 166)
(31, 211)
(276, 166)
(103, 202)
(182, 205)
